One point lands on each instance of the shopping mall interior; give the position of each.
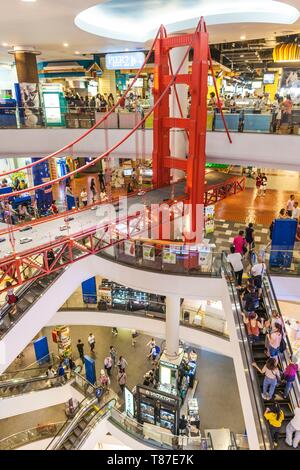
(148, 166)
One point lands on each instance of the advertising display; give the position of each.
(63, 340)
(129, 402)
(31, 105)
(89, 291)
(148, 253)
(269, 78)
(52, 108)
(129, 248)
(157, 408)
(90, 370)
(169, 257)
(126, 60)
(283, 240)
(209, 219)
(41, 349)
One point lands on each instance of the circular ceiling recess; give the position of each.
(138, 20)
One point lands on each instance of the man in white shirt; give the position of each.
(296, 211)
(293, 429)
(290, 205)
(257, 271)
(235, 259)
(91, 341)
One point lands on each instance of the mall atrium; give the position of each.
(150, 225)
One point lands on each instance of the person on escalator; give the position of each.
(258, 271)
(293, 429)
(253, 325)
(289, 375)
(271, 379)
(235, 259)
(275, 416)
(274, 340)
(250, 299)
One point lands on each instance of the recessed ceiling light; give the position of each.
(29, 1)
(4, 44)
(126, 50)
(242, 38)
(77, 52)
(242, 55)
(66, 44)
(247, 61)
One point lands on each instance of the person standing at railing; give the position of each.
(293, 429)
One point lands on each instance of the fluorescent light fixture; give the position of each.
(243, 37)
(66, 44)
(77, 52)
(4, 44)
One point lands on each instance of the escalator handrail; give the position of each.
(255, 393)
(19, 317)
(296, 390)
(82, 407)
(29, 369)
(94, 421)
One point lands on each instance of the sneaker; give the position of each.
(265, 397)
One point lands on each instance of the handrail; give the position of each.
(49, 359)
(95, 420)
(253, 388)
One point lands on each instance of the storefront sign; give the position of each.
(129, 248)
(148, 253)
(127, 60)
(169, 257)
(158, 396)
(129, 402)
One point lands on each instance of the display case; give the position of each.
(157, 408)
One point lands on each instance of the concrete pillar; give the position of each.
(172, 325)
(178, 138)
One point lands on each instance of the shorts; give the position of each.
(289, 213)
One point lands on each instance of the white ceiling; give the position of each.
(47, 24)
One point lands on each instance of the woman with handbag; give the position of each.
(272, 377)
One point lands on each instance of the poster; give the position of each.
(31, 104)
(204, 256)
(169, 257)
(209, 219)
(129, 248)
(148, 253)
(129, 402)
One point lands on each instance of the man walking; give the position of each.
(91, 341)
(80, 348)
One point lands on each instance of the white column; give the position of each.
(172, 325)
(178, 138)
(241, 379)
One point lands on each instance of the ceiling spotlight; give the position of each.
(242, 38)
(65, 44)
(242, 55)
(77, 52)
(4, 44)
(247, 61)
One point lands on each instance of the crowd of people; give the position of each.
(269, 329)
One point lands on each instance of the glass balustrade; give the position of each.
(242, 121)
(24, 438)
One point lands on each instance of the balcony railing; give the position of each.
(85, 117)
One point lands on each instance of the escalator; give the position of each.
(75, 431)
(255, 352)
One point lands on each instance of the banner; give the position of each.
(148, 253)
(209, 219)
(129, 248)
(169, 257)
(31, 104)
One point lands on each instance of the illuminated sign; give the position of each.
(129, 402)
(126, 60)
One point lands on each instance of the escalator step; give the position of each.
(77, 432)
(82, 425)
(72, 439)
(66, 445)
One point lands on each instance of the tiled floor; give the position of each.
(217, 389)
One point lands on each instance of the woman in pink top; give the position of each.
(239, 243)
(274, 339)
